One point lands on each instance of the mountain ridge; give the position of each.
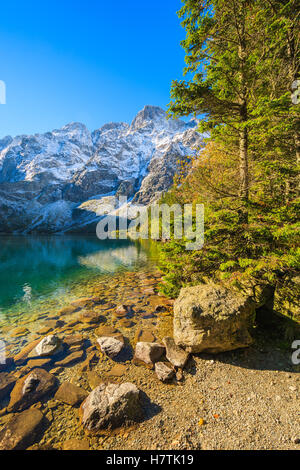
(45, 178)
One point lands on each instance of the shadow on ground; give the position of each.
(271, 348)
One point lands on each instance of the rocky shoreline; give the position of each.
(107, 374)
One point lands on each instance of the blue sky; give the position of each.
(92, 61)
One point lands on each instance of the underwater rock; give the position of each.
(7, 382)
(91, 360)
(89, 316)
(145, 335)
(30, 389)
(74, 340)
(70, 394)
(110, 346)
(22, 356)
(109, 331)
(43, 362)
(22, 430)
(70, 359)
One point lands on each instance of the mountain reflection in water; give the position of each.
(35, 266)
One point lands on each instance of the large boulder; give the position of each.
(111, 406)
(211, 318)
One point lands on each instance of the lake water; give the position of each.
(34, 267)
(72, 286)
(40, 275)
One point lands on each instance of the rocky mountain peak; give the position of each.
(148, 115)
(74, 126)
(55, 181)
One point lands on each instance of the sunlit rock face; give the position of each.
(54, 182)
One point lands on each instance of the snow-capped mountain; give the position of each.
(56, 181)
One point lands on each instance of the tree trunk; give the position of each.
(292, 65)
(243, 135)
(244, 171)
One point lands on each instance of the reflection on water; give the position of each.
(35, 266)
(27, 293)
(111, 259)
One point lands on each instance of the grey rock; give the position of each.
(163, 372)
(175, 354)
(48, 346)
(212, 318)
(111, 406)
(149, 353)
(110, 346)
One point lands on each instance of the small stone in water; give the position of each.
(117, 371)
(47, 346)
(70, 359)
(70, 394)
(110, 346)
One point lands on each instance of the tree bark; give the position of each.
(244, 169)
(293, 75)
(243, 135)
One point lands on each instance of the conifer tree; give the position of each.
(242, 58)
(220, 52)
